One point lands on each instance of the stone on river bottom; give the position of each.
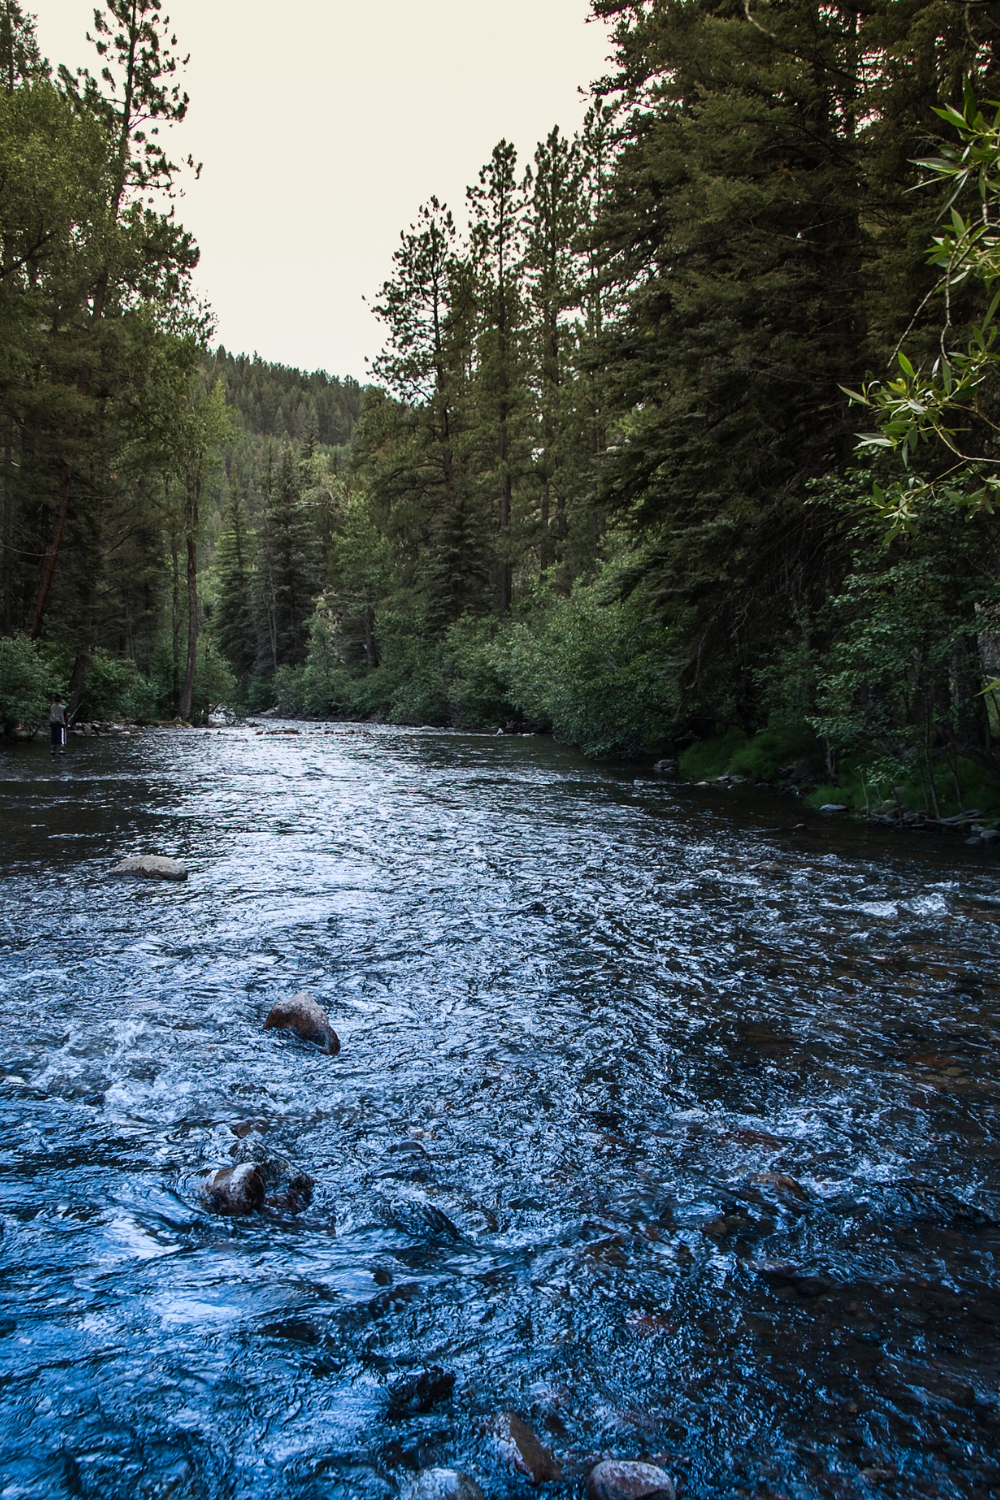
(519, 1447)
(443, 1484)
(151, 867)
(622, 1479)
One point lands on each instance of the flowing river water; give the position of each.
(668, 1126)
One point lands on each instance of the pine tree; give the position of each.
(497, 234)
(293, 565)
(233, 620)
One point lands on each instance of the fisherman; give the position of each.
(57, 724)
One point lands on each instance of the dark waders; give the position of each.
(58, 732)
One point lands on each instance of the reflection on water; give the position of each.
(662, 1124)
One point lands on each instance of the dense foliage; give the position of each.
(606, 476)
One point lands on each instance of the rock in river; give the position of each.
(519, 1447)
(619, 1479)
(288, 1190)
(151, 867)
(443, 1484)
(233, 1190)
(301, 1014)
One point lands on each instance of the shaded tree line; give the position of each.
(606, 477)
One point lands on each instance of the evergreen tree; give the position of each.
(497, 244)
(294, 577)
(233, 620)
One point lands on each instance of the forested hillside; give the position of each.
(606, 477)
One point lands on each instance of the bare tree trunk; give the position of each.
(194, 495)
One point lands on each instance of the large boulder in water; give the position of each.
(623, 1479)
(308, 1020)
(151, 867)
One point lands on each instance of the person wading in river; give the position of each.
(57, 725)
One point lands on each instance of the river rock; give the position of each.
(621, 1479)
(287, 1189)
(443, 1484)
(519, 1447)
(301, 1014)
(233, 1190)
(830, 808)
(416, 1395)
(151, 867)
(665, 768)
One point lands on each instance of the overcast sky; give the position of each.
(323, 125)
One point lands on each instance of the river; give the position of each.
(661, 1122)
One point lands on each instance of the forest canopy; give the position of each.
(606, 475)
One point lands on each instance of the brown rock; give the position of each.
(781, 1181)
(519, 1447)
(301, 1014)
(622, 1479)
(233, 1190)
(288, 1190)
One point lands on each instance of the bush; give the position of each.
(597, 671)
(114, 688)
(28, 683)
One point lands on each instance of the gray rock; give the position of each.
(833, 807)
(151, 867)
(443, 1484)
(665, 768)
(623, 1479)
(990, 836)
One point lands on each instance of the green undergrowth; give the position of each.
(759, 758)
(867, 781)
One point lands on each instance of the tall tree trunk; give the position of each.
(506, 571)
(175, 621)
(7, 528)
(194, 495)
(76, 682)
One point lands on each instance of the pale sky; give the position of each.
(324, 124)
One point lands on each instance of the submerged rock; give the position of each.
(233, 1190)
(151, 867)
(287, 1189)
(623, 1479)
(416, 1395)
(443, 1484)
(665, 768)
(519, 1447)
(301, 1014)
